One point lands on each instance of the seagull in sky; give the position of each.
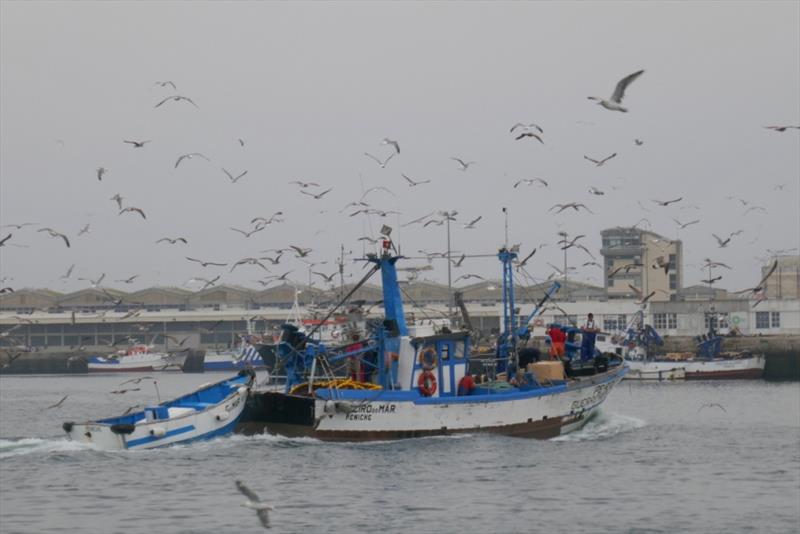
(712, 280)
(381, 164)
(58, 404)
(574, 205)
(303, 185)
(54, 233)
(190, 156)
(166, 83)
(254, 503)
(471, 225)
(84, 230)
(412, 183)
(128, 280)
(206, 263)
(249, 261)
(600, 163)
(684, 225)
(468, 276)
(173, 241)
(137, 144)
(530, 181)
(245, 233)
(666, 202)
(638, 142)
(464, 165)
(722, 242)
(68, 273)
(529, 134)
(781, 128)
(118, 199)
(526, 127)
(177, 98)
(395, 144)
(595, 191)
(615, 102)
(231, 177)
(318, 195)
(132, 209)
(100, 172)
(300, 251)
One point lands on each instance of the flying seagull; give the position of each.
(318, 195)
(529, 134)
(231, 177)
(245, 233)
(173, 241)
(412, 183)
(131, 209)
(395, 144)
(137, 144)
(381, 164)
(53, 233)
(118, 199)
(254, 503)
(100, 172)
(128, 280)
(615, 102)
(59, 403)
(781, 128)
(190, 156)
(722, 242)
(526, 127)
(711, 405)
(303, 185)
(68, 273)
(6, 238)
(684, 225)
(600, 163)
(84, 230)
(178, 98)
(574, 205)
(638, 142)
(595, 191)
(166, 83)
(464, 165)
(530, 181)
(468, 276)
(712, 280)
(666, 202)
(471, 225)
(206, 263)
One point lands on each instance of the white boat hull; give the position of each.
(752, 367)
(136, 363)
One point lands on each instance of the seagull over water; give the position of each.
(526, 127)
(412, 183)
(600, 163)
(255, 503)
(137, 144)
(190, 156)
(177, 98)
(615, 102)
(530, 181)
(381, 164)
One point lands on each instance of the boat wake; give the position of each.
(23, 446)
(603, 426)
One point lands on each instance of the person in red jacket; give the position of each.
(557, 340)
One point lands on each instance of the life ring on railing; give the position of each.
(427, 358)
(427, 383)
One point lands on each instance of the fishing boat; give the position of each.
(402, 383)
(137, 359)
(708, 361)
(247, 357)
(213, 410)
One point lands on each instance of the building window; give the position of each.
(660, 321)
(672, 321)
(614, 323)
(762, 320)
(776, 319)
(673, 281)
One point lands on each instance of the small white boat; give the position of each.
(654, 373)
(210, 411)
(137, 359)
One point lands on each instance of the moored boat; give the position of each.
(403, 385)
(247, 357)
(213, 410)
(137, 359)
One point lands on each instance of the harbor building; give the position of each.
(784, 283)
(648, 261)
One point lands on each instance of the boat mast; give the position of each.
(506, 343)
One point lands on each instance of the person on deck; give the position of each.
(588, 334)
(557, 340)
(466, 384)
(354, 362)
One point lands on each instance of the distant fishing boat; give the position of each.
(402, 383)
(213, 410)
(137, 359)
(232, 360)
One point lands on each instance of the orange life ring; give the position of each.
(427, 358)
(427, 383)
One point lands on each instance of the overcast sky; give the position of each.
(309, 87)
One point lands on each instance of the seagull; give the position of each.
(468, 276)
(274, 261)
(6, 290)
(437, 222)
(526, 258)
(131, 209)
(94, 283)
(173, 241)
(128, 280)
(84, 230)
(53, 233)
(781, 128)
(711, 405)
(760, 286)
(661, 263)
(123, 391)
(301, 252)
(464, 165)
(412, 183)
(627, 267)
(574, 205)
(6, 238)
(100, 172)
(638, 142)
(568, 244)
(118, 200)
(666, 202)
(395, 144)
(262, 221)
(530, 181)
(137, 144)
(328, 277)
(684, 225)
(528, 134)
(136, 380)
(190, 156)
(381, 164)
(318, 195)
(722, 242)
(178, 98)
(68, 273)
(754, 208)
(19, 226)
(712, 263)
(208, 283)
(164, 84)
(249, 261)
(231, 177)
(59, 403)
(712, 280)
(419, 220)
(600, 163)
(595, 191)
(245, 233)
(303, 185)
(206, 263)
(254, 503)
(526, 127)
(471, 225)
(614, 103)
(457, 263)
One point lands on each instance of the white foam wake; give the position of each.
(603, 426)
(23, 446)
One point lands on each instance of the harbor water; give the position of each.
(678, 457)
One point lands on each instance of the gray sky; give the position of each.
(310, 87)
